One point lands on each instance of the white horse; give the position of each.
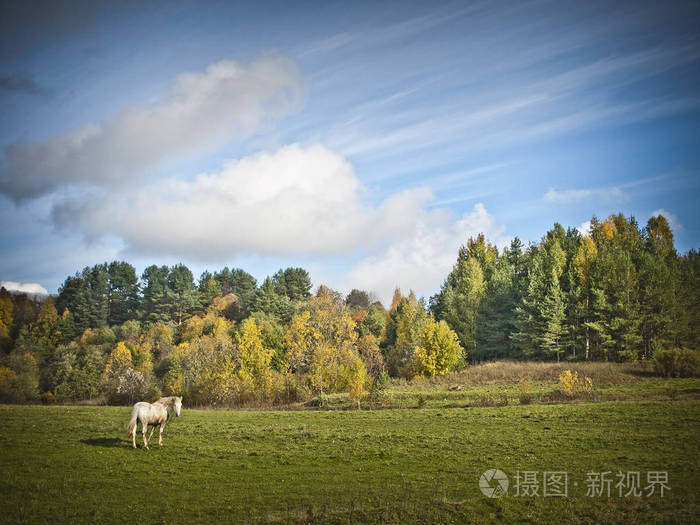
(154, 414)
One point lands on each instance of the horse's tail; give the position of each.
(132, 423)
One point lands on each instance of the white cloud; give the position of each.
(670, 217)
(31, 288)
(422, 260)
(576, 195)
(228, 101)
(297, 200)
(585, 228)
(566, 195)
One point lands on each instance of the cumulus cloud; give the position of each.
(30, 288)
(585, 228)
(422, 260)
(228, 101)
(576, 195)
(297, 200)
(672, 219)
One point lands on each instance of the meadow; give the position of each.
(417, 459)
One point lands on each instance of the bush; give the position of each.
(524, 394)
(570, 384)
(677, 362)
(47, 398)
(377, 393)
(7, 378)
(76, 373)
(439, 350)
(127, 387)
(20, 382)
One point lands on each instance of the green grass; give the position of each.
(75, 464)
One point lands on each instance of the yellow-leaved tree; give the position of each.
(254, 359)
(583, 261)
(322, 347)
(121, 381)
(439, 351)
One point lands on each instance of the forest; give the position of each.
(619, 292)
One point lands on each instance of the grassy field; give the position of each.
(405, 465)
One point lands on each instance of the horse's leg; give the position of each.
(144, 429)
(160, 435)
(133, 435)
(151, 434)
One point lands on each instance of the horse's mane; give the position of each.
(168, 401)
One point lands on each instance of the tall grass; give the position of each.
(512, 371)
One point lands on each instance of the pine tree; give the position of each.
(616, 311)
(658, 279)
(583, 264)
(156, 305)
(123, 293)
(184, 293)
(496, 318)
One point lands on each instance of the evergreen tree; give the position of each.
(459, 300)
(156, 306)
(583, 266)
(687, 305)
(294, 283)
(267, 300)
(617, 315)
(244, 286)
(357, 299)
(496, 319)
(184, 293)
(123, 294)
(659, 280)
(209, 288)
(403, 335)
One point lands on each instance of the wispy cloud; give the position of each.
(569, 196)
(507, 94)
(613, 193)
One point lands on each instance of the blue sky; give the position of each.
(365, 143)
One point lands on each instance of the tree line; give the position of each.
(619, 292)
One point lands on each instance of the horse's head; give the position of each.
(177, 405)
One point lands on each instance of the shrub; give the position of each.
(47, 398)
(570, 384)
(377, 393)
(371, 355)
(20, 382)
(524, 394)
(439, 349)
(128, 386)
(76, 373)
(322, 400)
(7, 377)
(677, 362)
(357, 376)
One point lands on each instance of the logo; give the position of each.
(493, 483)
